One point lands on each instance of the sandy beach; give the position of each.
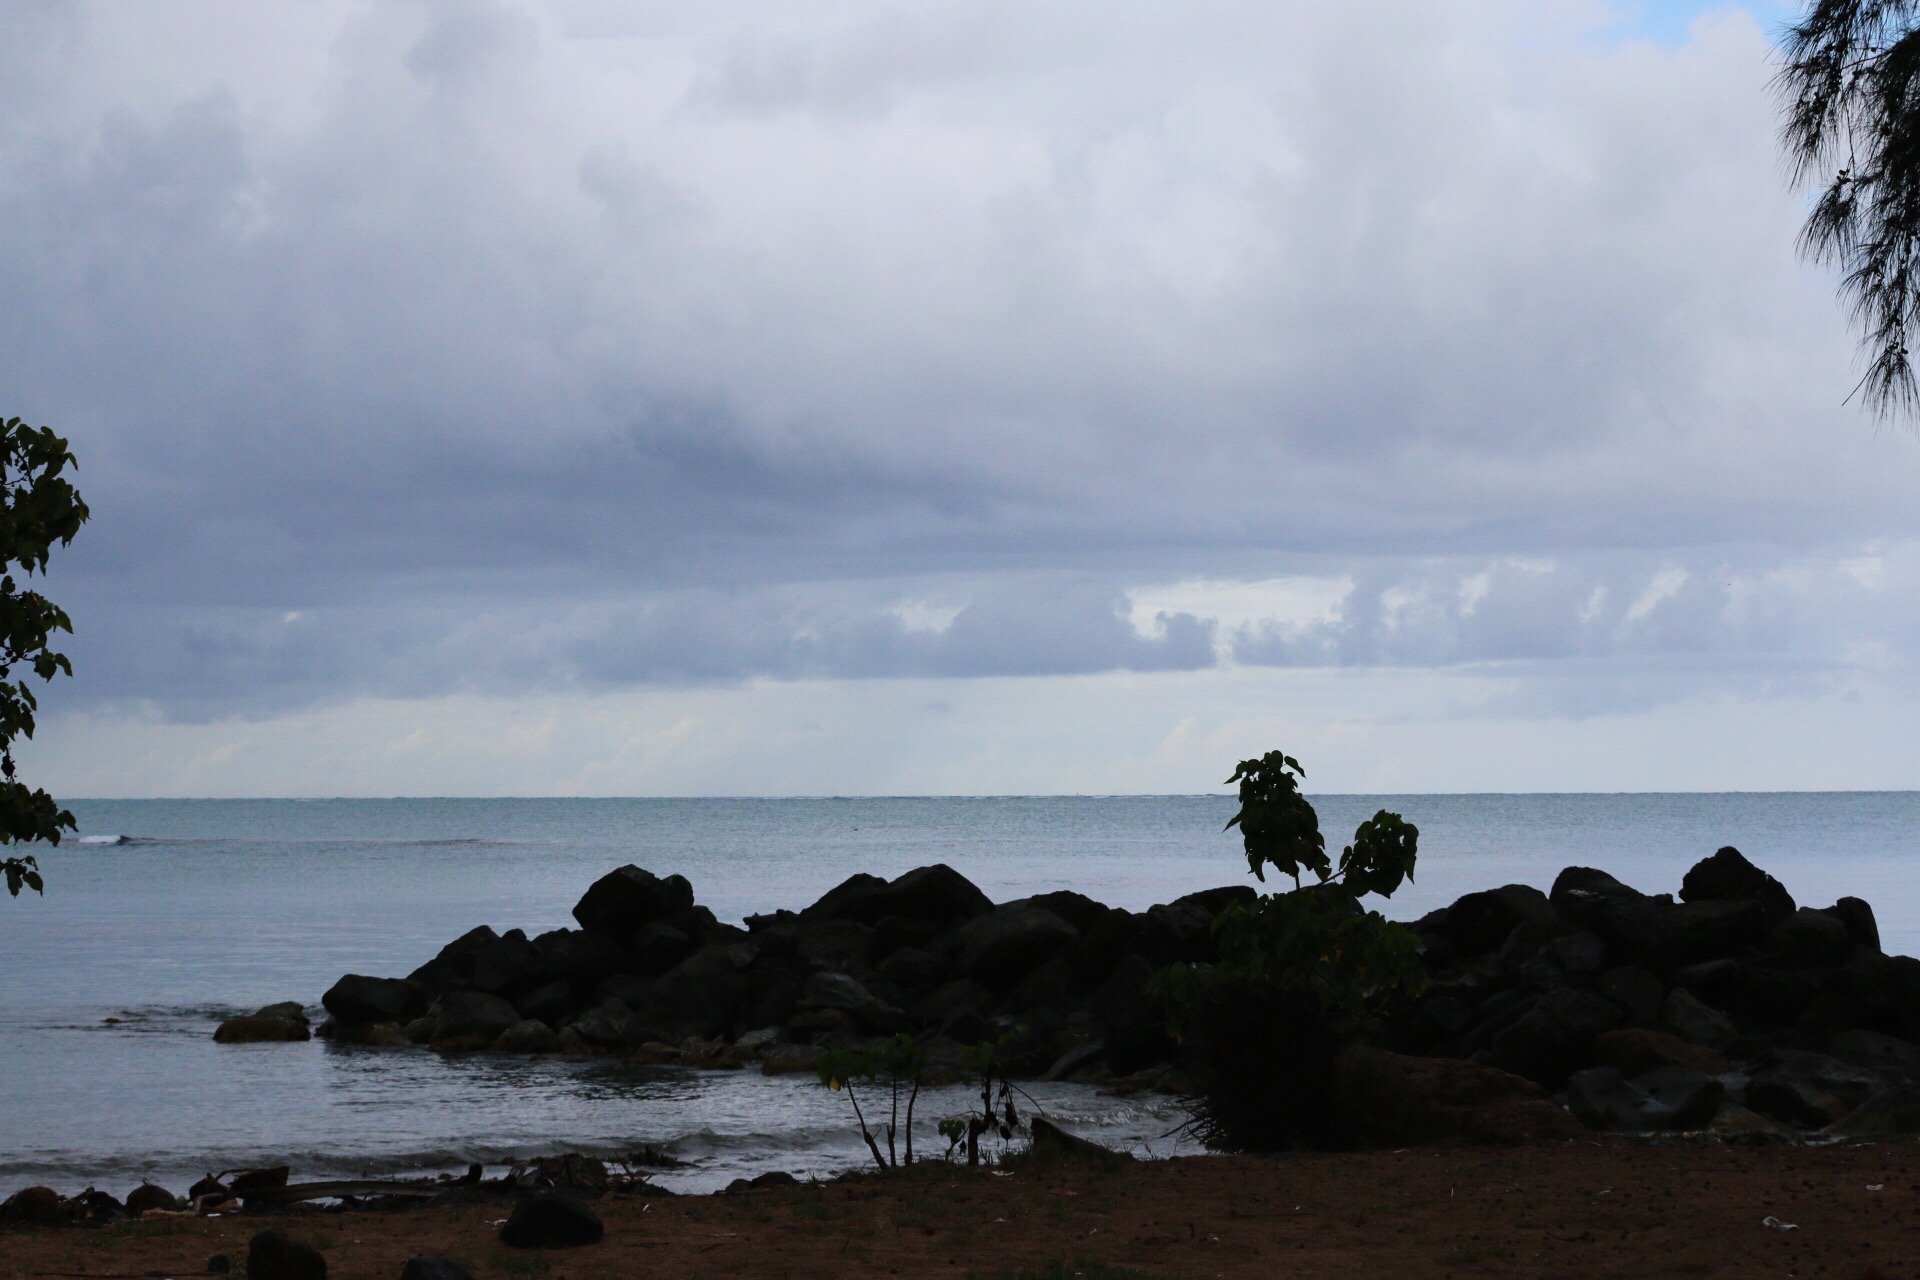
(1587, 1208)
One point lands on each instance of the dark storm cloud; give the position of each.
(514, 345)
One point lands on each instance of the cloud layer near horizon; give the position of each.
(419, 349)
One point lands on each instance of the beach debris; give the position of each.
(433, 1267)
(40, 1205)
(549, 1220)
(1776, 1224)
(147, 1198)
(274, 1255)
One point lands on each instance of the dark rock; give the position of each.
(1810, 1090)
(658, 946)
(1666, 1098)
(834, 944)
(629, 988)
(474, 1014)
(251, 1182)
(1541, 974)
(292, 1010)
(579, 957)
(550, 1221)
(1809, 939)
(916, 970)
(1437, 1020)
(961, 996)
(38, 1205)
(773, 999)
(606, 1024)
(274, 1255)
(357, 998)
(1050, 1138)
(1577, 952)
(773, 919)
(1728, 876)
(1077, 909)
(1876, 1052)
(1580, 892)
(255, 1029)
(699, 997)
(147, 1196)
(549, 1002)
(207, 1186)
(1687, 1098)
(846, 900)
(1003, 946)
(838, 991)
(433, 1267)
(1886, 1114)
(1481, 922)
(820, 1026)
(1104, 945)
(509, 960)
(1079, 1058)
(1858, 917)
(527, 1036)
(219, 1265)
(1052, 984)
(1471, 981)
(1771, 996)
(1401, 1101)
(929, 893)
(890, 933)
(1697, 1023)
(1635, 990)
(1555, 1036)
(1634, 1051)
(619, 903)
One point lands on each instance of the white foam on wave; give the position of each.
(106, 839)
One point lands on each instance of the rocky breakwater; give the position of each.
(651, 973)
(1731, 1008)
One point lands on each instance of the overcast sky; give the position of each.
(629, 397)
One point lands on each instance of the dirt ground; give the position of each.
(1587, 1209)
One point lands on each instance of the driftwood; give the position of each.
(294, 1193)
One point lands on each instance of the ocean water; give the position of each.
(168, 915)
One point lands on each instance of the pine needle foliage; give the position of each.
(1850, 88)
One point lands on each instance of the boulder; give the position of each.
(1809, 939)
(37, 1205)
(937, 894)
(254, 1029)
(962, 997)
(292, 1010)
(357, 998)
(890, 933)
(274, 1255)
(1810, 1090)
(1666, 1098)
(619, 903)
(1555, 1036)
(472, 1015)
(1858, 917)
(1480, 922)
(1049, 1138)
(433, 1267)
(1402, 1101)
(1697, 1023)
(579, 957)
(838, 991)
(1886, 1114)
(1638, 993)
(389, 1035)
(606, 1024)
(1634, 1051)
(699, 997)
(527, 1036)
(1727, 876)
(1877, 1052)
(549, 1002)
(550, 1221)
(658, 946)
(1077, 909)
(147, 1196)
(1003, 946)
(916, 970)
(833, 944)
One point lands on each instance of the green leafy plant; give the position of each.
(996, 1113)
(39, 509)
(1317, 936)
(899, 1062)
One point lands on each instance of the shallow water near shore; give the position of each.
(171, 914)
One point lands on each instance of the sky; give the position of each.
(525, 397)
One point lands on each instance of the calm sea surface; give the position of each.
(214, 906)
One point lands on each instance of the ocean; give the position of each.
(168, 915)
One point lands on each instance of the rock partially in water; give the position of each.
(257, 1029)
(358, 998)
